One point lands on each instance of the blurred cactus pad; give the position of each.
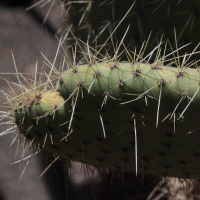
(94, 20)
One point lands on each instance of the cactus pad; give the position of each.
(124, 116)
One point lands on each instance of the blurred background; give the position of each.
(22, 32)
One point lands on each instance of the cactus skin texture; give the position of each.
(93, 119)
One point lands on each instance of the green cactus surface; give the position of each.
(120, 115)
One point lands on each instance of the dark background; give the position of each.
(23, 32)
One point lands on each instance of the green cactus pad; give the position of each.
(124, 116)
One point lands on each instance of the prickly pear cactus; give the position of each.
(127, 116)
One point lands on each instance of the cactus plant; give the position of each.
(42, 117)
(93, 119)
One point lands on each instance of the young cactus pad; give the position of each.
(130, 117)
